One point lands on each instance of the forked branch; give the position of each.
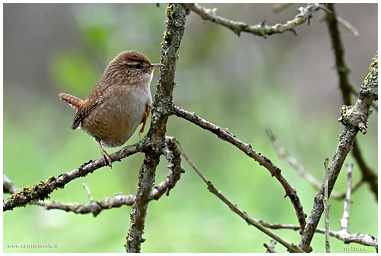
(236, 210)
(354, 119)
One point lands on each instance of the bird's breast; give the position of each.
(118, 114)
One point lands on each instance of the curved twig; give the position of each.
(282, 152)
(173, 155)
(236, 210)
(224, 134)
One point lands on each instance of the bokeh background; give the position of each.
(247, 84)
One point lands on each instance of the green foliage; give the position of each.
(97, 34)
(74, 73)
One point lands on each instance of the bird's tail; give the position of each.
(73, 101)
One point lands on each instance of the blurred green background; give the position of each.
(247, 84)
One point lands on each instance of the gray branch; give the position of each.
(305, 14)
(354, 119)
(225, 134)
(175, 25)
(359, 238)
(42, 190)
(234, 208)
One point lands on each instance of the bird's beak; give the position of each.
(156, 65)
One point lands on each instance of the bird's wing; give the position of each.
(91, 102)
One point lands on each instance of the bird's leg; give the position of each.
(106, 156)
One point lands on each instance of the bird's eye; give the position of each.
(138, 66)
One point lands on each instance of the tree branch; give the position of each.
(259, 30)
(94, 207)
(359, 238)
(42, 190)
(172, 155)
(337, 46)
(368, 174)
(346, 88)
(354, 119)
(224, 134)
(327, 207)
(8, 186)
(347, 201)
(270, 248)
(235, 209)
(162, 104)
(282, 152)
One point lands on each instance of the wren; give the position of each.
(118, 103)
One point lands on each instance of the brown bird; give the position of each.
(118, 103)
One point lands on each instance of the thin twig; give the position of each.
(8, 186)
(368, 174)
(359, 238)
(354, 188)
(190, 162)
(235, 209)
(326, 206)
(282, 152)
(224, 134)
(347, 201)
(348, 26)
(88, 192)
(94, 207)
(280, 7)
(270, 248)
